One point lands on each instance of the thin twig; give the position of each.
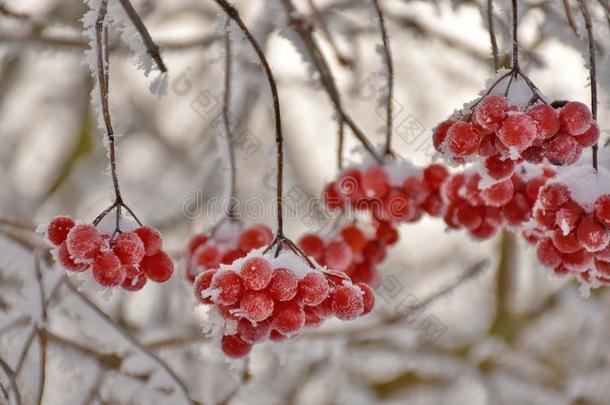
(340, 143)
(233, 14)
(12, 379)
(515, 35)
(569, 18)
(387, 50)
(151, 46)
(133, 340)
(42, 340)
(326, 77)
(343, 60)
(592, 70)
(17, 224)
(492, 35)
(231, 214)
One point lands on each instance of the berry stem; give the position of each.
(592, 70)
(340, 143)
(231, 213)
(492, 34)
(233, 14)
(515, 36)
(326, 77)
(151, 47)
(103, 68)
(390, 71)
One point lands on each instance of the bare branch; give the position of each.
(12, 379)
(492, 35)
(592, 70)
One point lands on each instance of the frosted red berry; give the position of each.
(255, 237)
(575, 118)
(158, 267)
(590, 137)
(202, 283)
(256, 305)
(152, 239)
(602, 209)
(108, 270)
(313, 246)
(58, 229)
(354, 237)
(546, 118)
(553, 196)
(491, 111)
(592, 235)
(498, 168)
(498, 194)
(284, 285)
(129, 248)
(64, 259)
(206, 256)
(83, 242)
(253, 332)
(313, 289)
(462, 139)
(338, 255)
(288, 318)
(229, 286)
(440, 133)
(368, 297)
(195, 241)
(256, 273)
(518, 131)
(562, 150)
(547, 254)
(134, 283)
(348, 302)
(375, 182)
(234, 347)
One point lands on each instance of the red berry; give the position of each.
(547, 254)
(255, 237)
(152, 239)
(288, 318)
(440, 133)
(252, 333)
(107, 269)
(603, 255)
(487, 147)
(313, 289)
(546, 119)
(133, 270)
(450, 189)
(158, 267)
(590, 137)
(498, 168)
(433, 206)
(313, 246)
(256, 273)
(276, 336)
(603, 267)
(129, 248)
(575, 118)
(354, 238)
(311, 318)
(577, 262)
(195, 241)
(134, 283)
(602, 209)
(256, 305)
(231, 255)
(84, 242)
(331, 197)
(283, 285)
(499, 194)
(374, 251)
(206, 257)
(518, 131)
(592, 235)
(566, 243)
(553, 196)
(435, 175)
(416, 189)
(462, 139)
(386, 233)
(562, 150)
(229, 286)
(348, 302)
(491, 111)
(202, 283)
(58, 229)
(349, 185)
(467, 216)
(364, 272)
(324, 309)
(338, 255)
(399, 207)
(533, 154)
(233, 346)
(64, 259)
(368, 297)
(375, 182)
(517, 211)
(568, 216)
(485, 231)
(532, 188)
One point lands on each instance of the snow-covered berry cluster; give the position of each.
(482, 211)
(356, 249)
(497, 133)
(206, 251)
(394, 192)
(572, 219)
(262, 297)
(126, 258)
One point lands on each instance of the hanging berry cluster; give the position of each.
(205, 251)
(126, 258)
(264, 297)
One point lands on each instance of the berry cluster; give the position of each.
(208, 251)
(482, 211)
(572, 221)
(126, 258)
(393, 192)
(262, 297)
(501, 134)
(355, 250)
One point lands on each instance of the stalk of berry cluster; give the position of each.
(592, 70)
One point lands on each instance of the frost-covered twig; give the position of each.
(342, 58)
(151, 47)
(42, 340)
(231, 214)
(133, 340)
(387, 51)
(569, 18)
(326, 77)
(492, 34)
(10, 374)
(592, 69)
